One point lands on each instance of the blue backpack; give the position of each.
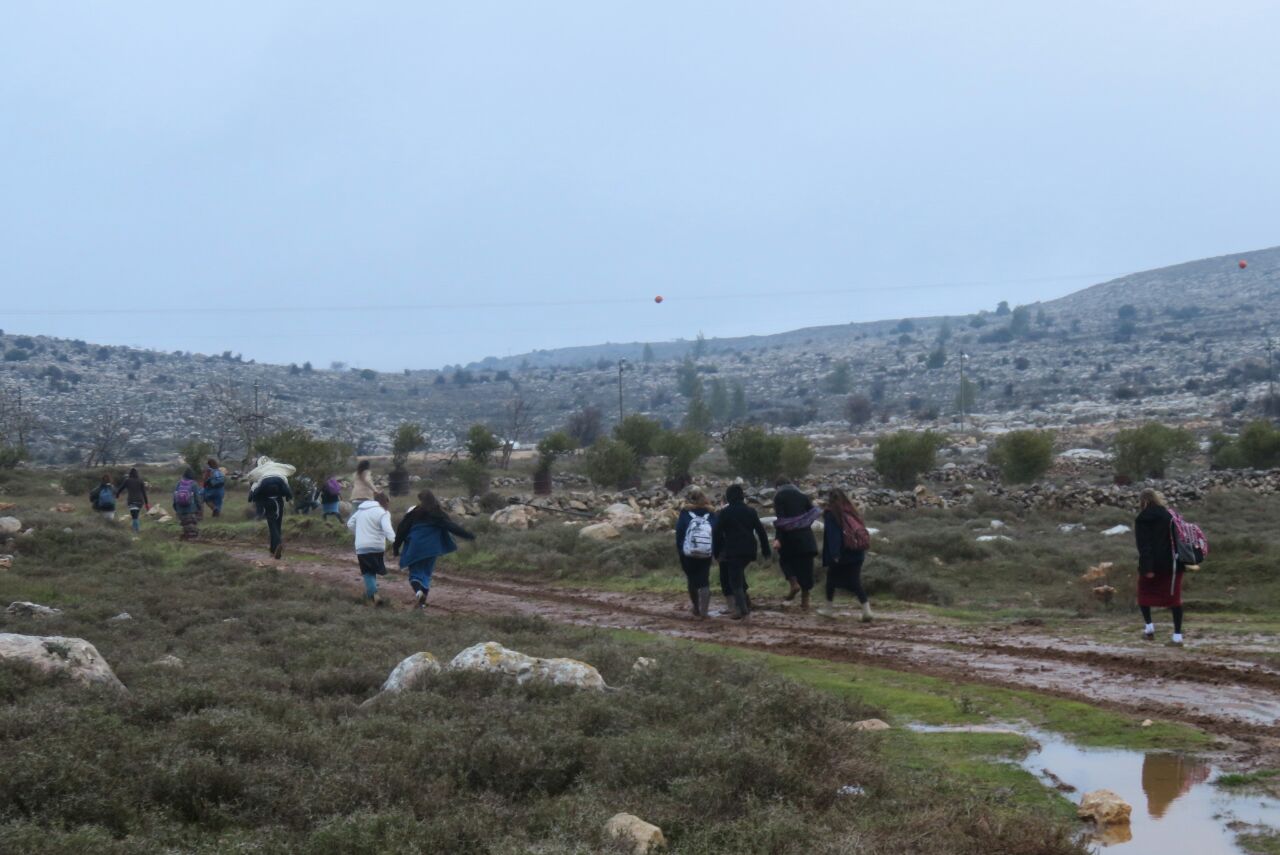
(106, 498)
(216, 479)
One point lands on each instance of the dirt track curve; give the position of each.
(1227, 696)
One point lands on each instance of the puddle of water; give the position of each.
(1176, 808)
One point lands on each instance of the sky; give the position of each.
(414, 184)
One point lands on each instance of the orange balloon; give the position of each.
(1243, 264)
(657, 299)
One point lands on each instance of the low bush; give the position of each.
(902, 457)
(1022, 456)
(1147, 451)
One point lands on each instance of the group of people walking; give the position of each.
(734, 536)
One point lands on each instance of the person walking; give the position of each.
(733, 545)
(694, 542)
(330, 499)
(187, 505)
(845, 541)
(362, 488)
(102, 499)
(797, 547)
(215, 487)
(425, 534)
(136, 498)
(1159, 572)
(371, 524)
(269, 491)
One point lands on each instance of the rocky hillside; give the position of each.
(1183, 343)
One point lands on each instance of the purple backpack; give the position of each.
(333, 488)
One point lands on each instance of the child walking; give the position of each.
(371, 523)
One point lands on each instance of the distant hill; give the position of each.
(1182, 342)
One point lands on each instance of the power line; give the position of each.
(530, 304)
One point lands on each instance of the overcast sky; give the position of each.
(405, 169)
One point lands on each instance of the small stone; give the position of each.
(123, 616)
(644, 837)
(644, 664)
(6, 561)
(64, 508)
(870, 724)
(169, 661)
(1116, 530)
(493, 658)
(54, 654)
(851, 790)
(513, 516)
(410, 671)
(600, 531)
(32, 610)
(10, 525)
(1104, 807)
(1146, 722)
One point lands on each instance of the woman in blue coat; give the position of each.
(425, 533)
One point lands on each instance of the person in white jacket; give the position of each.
(371, 523)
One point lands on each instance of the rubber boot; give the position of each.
(804, 600)
(730, 607)
(743, 605)
(795, 589)
(704, 602)
(693, 598)
(866, 612)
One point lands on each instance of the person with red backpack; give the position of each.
(845, 541)
(1162, 560)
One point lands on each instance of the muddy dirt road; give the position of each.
(1225, 695)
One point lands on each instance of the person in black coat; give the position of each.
(734, 537)
(1159, 572)
(793, 538)
(843, 562)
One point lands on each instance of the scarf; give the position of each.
(804, 520)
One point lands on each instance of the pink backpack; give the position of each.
(1190, 544)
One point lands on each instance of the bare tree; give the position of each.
(113, 428)
(516, 422)
(241, 415)
(18, 422)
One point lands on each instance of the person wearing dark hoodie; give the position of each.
(793, 538)
(733, 544)
(694, 541)
(1159, 572)
(136, 499)
(425, 534)
(270, 493)
(371, 524)
(187, 504)
(845, 541)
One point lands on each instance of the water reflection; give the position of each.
(1167, 776)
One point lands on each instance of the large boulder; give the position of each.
(10, 526)
(493, 658)
(513, 516)
(1104, 807)
(623, 515)
(870, 724)
(600, 531)
(410, 671)
(57, 655)
(32, 610)
(643, 837)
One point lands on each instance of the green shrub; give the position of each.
(316, 459)
(754, 453)
(472, 475)
(405, 440)
(796, 457)
(611, 463)
(639, 432)
(1225, 453)
(11, 456)
(1022, 455)
(902, 457)
(681, 449)
(195, 453)
(481, 444)
(1147, 451)
(551, 446)
(1260, 445)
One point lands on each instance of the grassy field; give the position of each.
(258, 742)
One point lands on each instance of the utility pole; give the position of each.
(1272, 409)
(964, 357)
(622, 366)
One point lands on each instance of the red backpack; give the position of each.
(854, 532)
(1189, 543)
